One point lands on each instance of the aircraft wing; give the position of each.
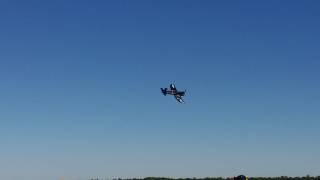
(179, 98)
(173, 87)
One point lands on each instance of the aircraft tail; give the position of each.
(164, 91)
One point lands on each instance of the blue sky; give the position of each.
(80, 97)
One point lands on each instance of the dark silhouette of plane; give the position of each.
(173, 91)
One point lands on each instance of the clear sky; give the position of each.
(80, 88)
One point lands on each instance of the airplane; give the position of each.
(173, 91)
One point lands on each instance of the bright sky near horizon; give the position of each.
(80, 88)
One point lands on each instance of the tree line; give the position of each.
(221, 178)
